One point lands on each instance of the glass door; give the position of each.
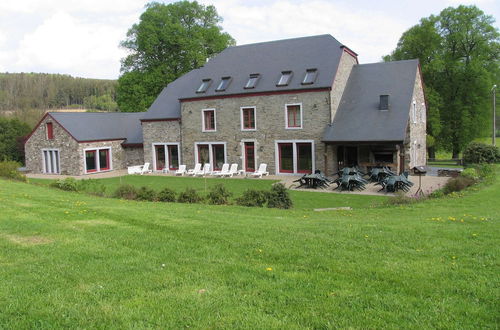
(249, 157)
(285, 157)
(304, 157)
(160, 157)
(173, 157)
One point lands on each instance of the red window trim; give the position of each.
(170, 167)
(279, 151)
(95, 161)
(214, 160)
(107, 168)
(50, 130)
(208, 116)
(297, 145)
(247, 119)
(249, 145)
(97, 164)
(295, 123)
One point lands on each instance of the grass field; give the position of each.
(77, 261)
(301, 199)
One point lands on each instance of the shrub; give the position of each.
(8, 169)
(486, 172)
(68, 184)
(457, 184)
(470, 173)
(219, 195)
(478, 153)
(189, 196)
(146, 194)
(252, 197)
(401, 199)
(126, 191)
(167, 195)
(279, 197)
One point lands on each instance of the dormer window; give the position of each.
(384, 102)
(205, 83)
(223, 84)
(310, 76)
(285, 78)
(252, 81)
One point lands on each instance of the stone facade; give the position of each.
(166, 131)
(415, 144)
(134, 156)
(67, 147)
(270, 126)
(347, 61)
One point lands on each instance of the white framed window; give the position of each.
(209, 120)
(248, 119)
(293, 116)
(51, 161)
(97, 159)
(166, 155)
(294, 156)
(213, 153)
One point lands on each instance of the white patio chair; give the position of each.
(224, 170)
(262, 170)
(233, 170)
(181, 170)
(196, 169)
(139, 169)
(204, 171)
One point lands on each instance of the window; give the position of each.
(285, 78)
(213, 153)
(208, 120)
(223, 84)
(384, 102)
(50, 131)
(51, 161)
(252, 81)
(205, 83)
(295, 156)
(166, 156)
(248, 119)
(97, 160)
(414, 112)
(293, 116)
(310, 77)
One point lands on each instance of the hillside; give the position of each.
(79, 261)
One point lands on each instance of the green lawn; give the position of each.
(301, 199)
(77, 261)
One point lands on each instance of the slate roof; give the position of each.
(268, 59)
(358, 118)
(91, 126)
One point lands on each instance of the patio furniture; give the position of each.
(196, 169)
(139, 169)
(350, 178)
(315, 180)
(377, 174)
(394, 183)
(204, 171)
(181, 171)
(233, 170)
(224, 170)
(262, 170)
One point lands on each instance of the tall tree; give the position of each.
(459, 51)
(12, 133)
(168, 41)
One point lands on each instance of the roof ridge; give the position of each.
(281, 40)
(390, 62)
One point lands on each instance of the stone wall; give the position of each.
(159, 132)
(118, 160)
(62, 141)
(270, 125)
(347, 61)
(416, 147)
(134, 156)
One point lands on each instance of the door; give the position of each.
(203, 154)
(249, 157)
(160, 157)
(51, 161)
(218, 156)
(304, 157)
(91, 161)
(173, 157)
(285, 157)
(351, 156)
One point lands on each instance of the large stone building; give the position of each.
(297, 105)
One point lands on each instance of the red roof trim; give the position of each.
(350, 52)
(159, 119)
(293, 91)
(41, 120)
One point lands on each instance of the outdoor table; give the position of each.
(314, 180)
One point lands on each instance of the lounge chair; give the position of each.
(139, 169)
(181, 170)
(233, 170)
(196, 169)
(224, 171)
(262, 170)
(204, 171)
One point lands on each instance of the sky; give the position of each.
(81, 37)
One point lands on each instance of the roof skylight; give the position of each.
(285, 78)
(310, 76)
(223, 84)
(252, 81)
(205, 83)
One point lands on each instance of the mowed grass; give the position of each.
(77, 261)
(301, 199)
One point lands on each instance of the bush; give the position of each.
(279, 197)
(189, 196)
(146, 194)
(470, 173)
(401, 199)
(126, 191)
(8, 169)
(167, 195)
(219, 195)
(486, 172)
(478, 153)
(252, 197)
(457, 184)
(68, 184)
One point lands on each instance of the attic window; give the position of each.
(310, 76)
(285, 78)
(223, 84)
(205, 83)
(252, 81)
(384, 102)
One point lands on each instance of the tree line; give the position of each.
(24, 91)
